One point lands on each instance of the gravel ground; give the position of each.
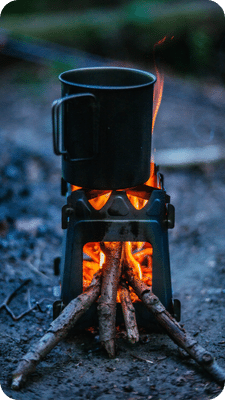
(191, 115)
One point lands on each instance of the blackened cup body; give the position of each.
(102, 127)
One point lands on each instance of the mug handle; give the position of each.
(56, 107)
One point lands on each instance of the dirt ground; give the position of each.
(191, 115)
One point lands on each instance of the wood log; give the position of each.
(57, 331)
(128, 314)
(141, 255)
(174, 330)
(111, 271)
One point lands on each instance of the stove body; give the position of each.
(117, 220)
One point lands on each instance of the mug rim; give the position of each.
(110, 87)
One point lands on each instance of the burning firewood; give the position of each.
(141, 255)
(57, 331)
(117, 272)
(128, 314)
(173, 328)
(111, 271)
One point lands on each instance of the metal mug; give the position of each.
(102, 127)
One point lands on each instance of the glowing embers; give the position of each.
(137, 254)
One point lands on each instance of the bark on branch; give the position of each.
(174, 330)
(107, 302)
(57, 331)
(128, 314)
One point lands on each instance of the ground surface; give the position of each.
(191, 114)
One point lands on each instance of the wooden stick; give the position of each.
(107, 302)
(141, 255)
(58, 330)
(6, 302)
(128, 314)
(174, 330)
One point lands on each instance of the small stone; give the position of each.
(30, 225)
(180, 381)
(208, 300)
(128, 388)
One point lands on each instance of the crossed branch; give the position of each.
(8, 299)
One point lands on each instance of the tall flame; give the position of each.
(157, 97)
(158, 90)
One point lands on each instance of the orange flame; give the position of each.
(137, 254)
(99, 201)
(158, 90)
(131, 259)
(153, 180)
(157, 97)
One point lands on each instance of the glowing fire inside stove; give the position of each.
(138, 254)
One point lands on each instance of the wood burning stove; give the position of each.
(118, 220)
(113, 93)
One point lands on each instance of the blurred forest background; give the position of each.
(119, 30)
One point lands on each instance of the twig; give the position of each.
(58, 330)
(5, 304)
(28, 298)
(174, 330)
(11, 295)
(141, 358)
(107, 302)
(128, 314)
(141, 255)
(134, 355)
(36, 270)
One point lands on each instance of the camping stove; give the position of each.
(117, 220)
